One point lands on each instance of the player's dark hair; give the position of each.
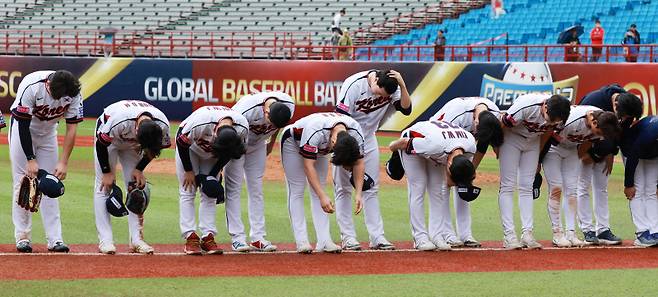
(462, 170)
(227, 144)
(63, 83)
(346, 150)
(279, 114)
(389, 84)
(608, 123)
(629, 105)
(558, 108)
(149, 136)
(489, 130)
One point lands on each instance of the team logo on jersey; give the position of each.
(204, 145)
(536, 127)
(261, 129)
(45, 113)
(579, 138)
(371, 104)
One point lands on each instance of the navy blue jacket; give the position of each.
(602, 98)
(640, 141)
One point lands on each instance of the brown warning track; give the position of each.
(87, 266)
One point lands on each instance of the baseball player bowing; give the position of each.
(479, 116)
(435, 155)
(639, 146)
(530, 117)
(562, 166)
(2, 121)
(366, 96)
(305, 149)
(266, 113)
(208, 139)
(596, 169)
(44, 97)
(131, 133)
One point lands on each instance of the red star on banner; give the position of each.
(522, 74)
(542, 78)
(532, 78)
(513, 70)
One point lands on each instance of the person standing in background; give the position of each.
(632, 36)
(596, 35)
(439, 46)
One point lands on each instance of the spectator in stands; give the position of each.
(346, 41)
(439, 46)
(632, 36)
(596, 35)
(497, 7)
(571, 53)
(335, 25)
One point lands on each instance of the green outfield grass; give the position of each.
(547, 283)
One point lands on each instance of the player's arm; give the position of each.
(272, 141)
(103, 141)
(314, 181)
(23, 115)
(404, 104)
(358, 172)
(400, 144)
(183, 144)
(67, 146)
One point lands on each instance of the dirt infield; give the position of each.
(83, 265)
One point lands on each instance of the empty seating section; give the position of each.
(534, 22)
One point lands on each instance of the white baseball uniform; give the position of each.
(518, 157)
(357, 101)
(251, 166)
(562, 167)
(461, 112)
(309, 138)
(197, 132)
(34, 103)
(116, 130)
(424, 161)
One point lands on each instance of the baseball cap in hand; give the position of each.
(468, 193)
(211, 187)
(368, 182)
(114, 203)
(536, 186)
(462, 172)
(49, 184)
(394, 167)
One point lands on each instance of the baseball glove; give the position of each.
(29, 197)
(137, 199)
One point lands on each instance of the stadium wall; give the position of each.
(179, 86)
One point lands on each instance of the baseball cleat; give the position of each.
(141, 247)
(470, 242)
(107, 248)
(59, 247)
(645, 239)
(528, 241)
(425, 245)
(510, 242)
(209, 245)
(454, 243)
(304, 248)
(559, 240)
(591, 238)
(350, 244)
(329, 247)
(440, 244)
(24, 246)
(240, 246)
(608, 238)
(574, 240)
(193, 245)
(382, 244)
(263, 245)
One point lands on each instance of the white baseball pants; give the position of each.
(518, 164)
(644, 207)
(561, 169)
(44, 145)
(293, 167)
(251, 167)
(592, 175)
(207, 206)
(425, 175)
(343, 192)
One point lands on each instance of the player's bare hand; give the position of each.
(138, 177)
(359, 205)
(398, 77)
(629, 192)
(60, 170)
(586, 159)
(398, 144)
(188, 181)
(32, 168)
(327, 205)
(609, 161)
(107, 182)
(496, 151)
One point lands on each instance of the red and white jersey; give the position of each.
(313, 132)
(460, 111)
(525, 116)
(357, 101)
(117, 125)
(33, 101)
(251, 107)
(198, 129)
(575, 130)
(435, 140)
